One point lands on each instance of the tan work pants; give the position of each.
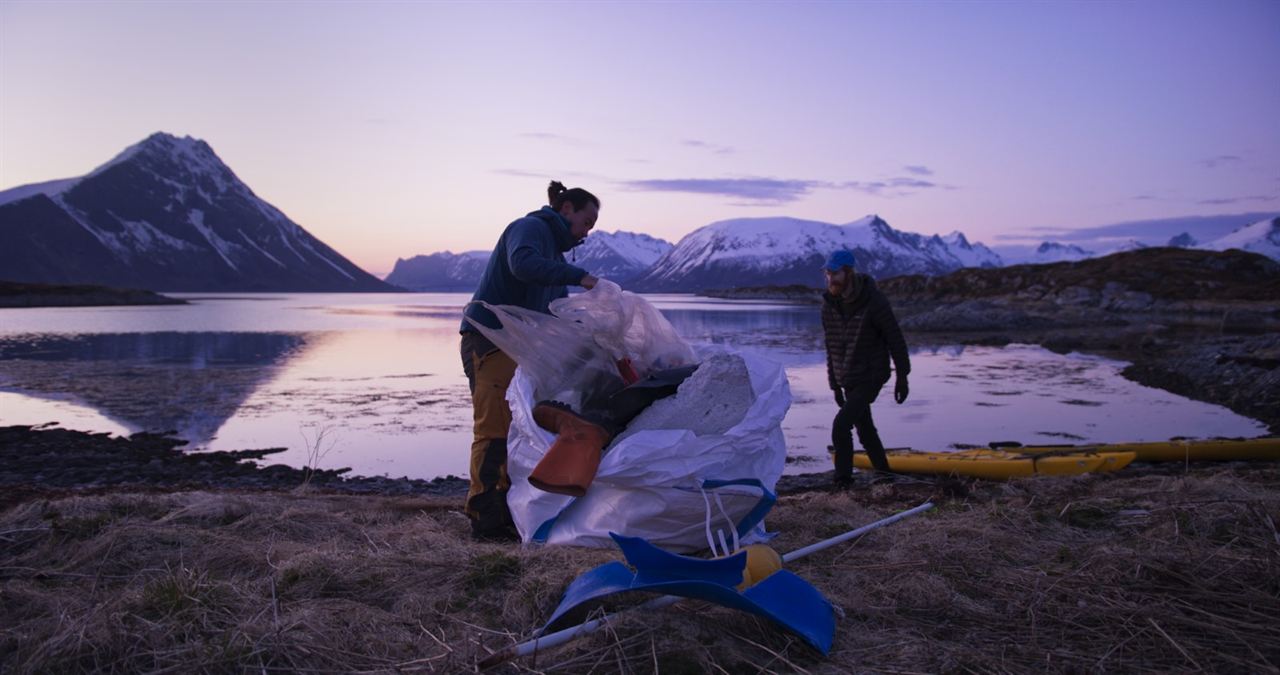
(490, 374)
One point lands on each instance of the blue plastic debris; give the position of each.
(782, 596)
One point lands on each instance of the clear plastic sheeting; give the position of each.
(653, 483)
(626, 326)
(572, 354)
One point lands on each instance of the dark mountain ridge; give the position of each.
(1172, 274)
(165, 214)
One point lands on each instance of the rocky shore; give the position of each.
(37, 462)
(49, 462)
(16, 294)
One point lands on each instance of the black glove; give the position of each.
(839, 392)
(900, 389)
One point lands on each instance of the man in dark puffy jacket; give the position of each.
(527, 269)
(861, 336)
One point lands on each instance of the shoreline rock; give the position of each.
(17, 294)
(51, 462)
(55, 459)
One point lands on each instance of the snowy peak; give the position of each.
(780, 251)
(159, 148)
(619, 256)
(640, 248)
(184, 164)
(444, 271)
(1051, 252)
(971, 254)
(1128, 245)
(163, 147)
(168, 214)
(48, 188)
(1261, 237)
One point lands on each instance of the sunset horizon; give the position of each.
(394, 130)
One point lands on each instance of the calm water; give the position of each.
(379, 376)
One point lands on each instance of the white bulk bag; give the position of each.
(663, 485)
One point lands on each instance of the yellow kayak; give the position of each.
(1000, 464)
(1221, 450)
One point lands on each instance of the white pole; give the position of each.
(814, 548)
(560, 637)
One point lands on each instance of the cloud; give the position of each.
(912, 182)
(1143, 198)
(918, 169)
(565, 176)
(553, 138)
(1220, 201)
(771, 190)
(900, 185)
(780, 190)
(1215, 162)
(519, 173)
(711, 147)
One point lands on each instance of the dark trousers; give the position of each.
(856, 414)
(489, 372)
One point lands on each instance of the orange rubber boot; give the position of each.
(571, 463)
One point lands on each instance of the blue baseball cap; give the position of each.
(841, 258)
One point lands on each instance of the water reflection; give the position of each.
(189, 383)
(381, 375)
(193, 350)
(393, 402)
(975, 395)
(795, 333)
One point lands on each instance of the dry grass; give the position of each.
(1138, 571)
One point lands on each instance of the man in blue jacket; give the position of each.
(527, 269)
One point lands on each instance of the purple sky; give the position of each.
(391, 129)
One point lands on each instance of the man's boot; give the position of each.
(571, 463)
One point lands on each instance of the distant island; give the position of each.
(790, 293)
(16, 294)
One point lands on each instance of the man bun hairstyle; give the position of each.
(557, 195)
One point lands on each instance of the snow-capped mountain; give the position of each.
(1261, 237)
(781, 251)
(1127, 245)
(1184, 240)
(971, 255)
(165, 214)
(1046, 252)
(444, 271)
(619, 256)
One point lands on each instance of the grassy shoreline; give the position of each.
(1154, 568)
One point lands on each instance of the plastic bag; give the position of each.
(572, 354)
(626, 326)
(666, 486)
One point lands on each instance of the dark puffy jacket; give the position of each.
(526, 268)
(861, 335)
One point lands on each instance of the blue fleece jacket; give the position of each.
(526, 268)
